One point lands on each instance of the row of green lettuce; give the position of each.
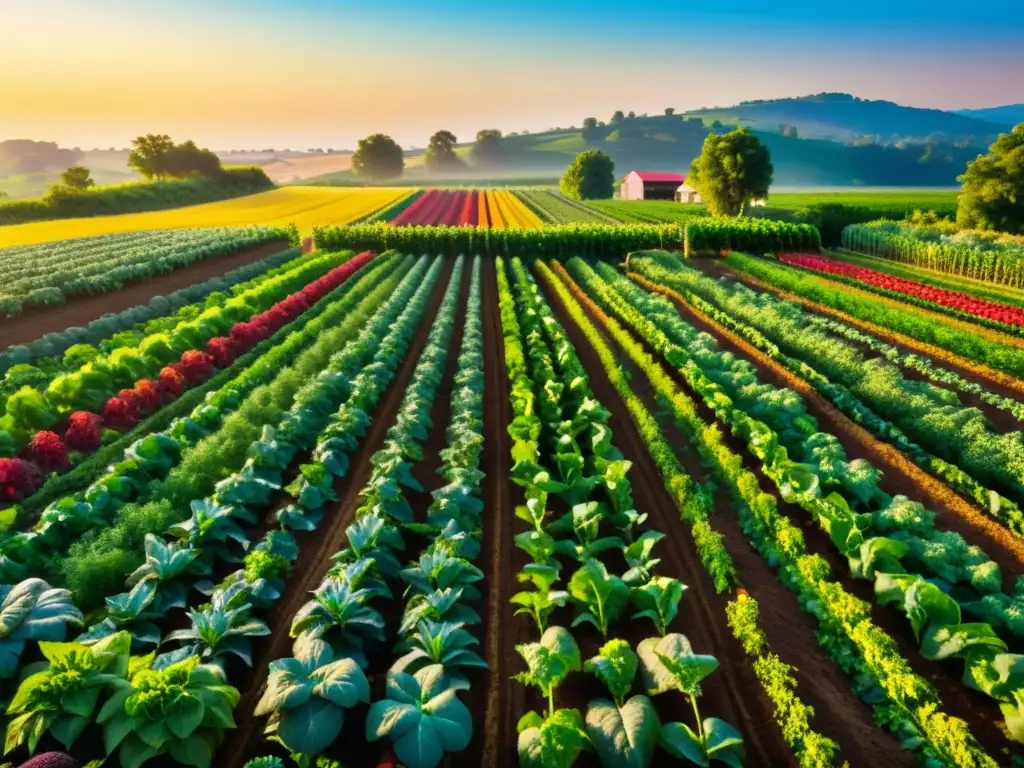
(222, 619)
(793, 716)
(564, 457)
(906, 703)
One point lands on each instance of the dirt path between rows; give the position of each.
(495, 743)
(316, 549)
(733, 693)
(978, 710)
(82, 310)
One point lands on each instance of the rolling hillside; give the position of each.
(1010, 113)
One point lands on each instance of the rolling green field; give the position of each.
(911, 199)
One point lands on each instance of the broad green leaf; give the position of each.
(626, 736)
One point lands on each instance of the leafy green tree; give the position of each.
(993, 192)
(669, 111)
(378, 158)
(77, 177)
(591, 176)
(631, 115)
(589, 123)
(716, 125)
(186, 159)
(617, 117)
(148, 156)
(489, 149)
(441, 155)
(732, 170)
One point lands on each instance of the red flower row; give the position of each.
(48, 451)
(442, 207)
(961, 302)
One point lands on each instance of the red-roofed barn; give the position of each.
(650, 185)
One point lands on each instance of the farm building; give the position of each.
(650, 185)
(687, 194)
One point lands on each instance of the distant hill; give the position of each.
(1012, 114)
(846, 118)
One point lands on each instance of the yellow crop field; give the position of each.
(513, 211)
(303, 206)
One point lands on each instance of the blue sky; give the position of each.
(320, 73)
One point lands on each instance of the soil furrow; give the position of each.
(495, 743)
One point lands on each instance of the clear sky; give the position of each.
(323, 73)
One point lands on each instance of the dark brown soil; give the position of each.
(82, 310)
(317, 548)
(979, 711)
(733, 693)
(494, 742)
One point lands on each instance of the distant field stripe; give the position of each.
(303, 206)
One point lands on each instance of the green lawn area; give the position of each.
(651, 211)
(909, 199)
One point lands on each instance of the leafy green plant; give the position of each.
(549, 662)
(135, 612)
(307, 696)
(440, 570)
(552, 742)
(658, 600)
(213, 529)
(586, 522)
(542, 602)
(32, 610)
(61, 697)
(173, 567)
(600, 597)
(218, 629)
(374, 538)
(181, 711)
(339, 613)
(639, 560)
(443, 643)
(624, 732)
(669, 663)
(440, 605)
(422, 716)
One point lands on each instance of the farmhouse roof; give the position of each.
(656, 176)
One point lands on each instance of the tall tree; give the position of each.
(489, 149)
(441, 155)
(591, 176)
(589, 127)
(993, 192)
(186, 159)
(378, 158)
(149, 155)
(732, 170)
(77, 177)
(669, 111)
(617, 117)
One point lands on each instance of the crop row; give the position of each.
(340, 633)
(993, 351)
(564, 457)
(927, 414)
(485, 208)
(793, 716)
(48, 348)
(216, 533)
(86, 403)
(883, 678)
(963, 305)
(47, 274)
(978, 259)
(554, 208)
